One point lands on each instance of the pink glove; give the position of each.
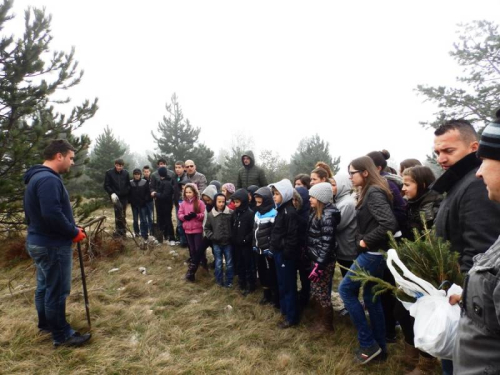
(315, 274)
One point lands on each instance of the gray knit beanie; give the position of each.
(322, 192)
(489, 145)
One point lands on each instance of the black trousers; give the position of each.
(388, 303)
(121, 217)
(164, 213)
(245, 266)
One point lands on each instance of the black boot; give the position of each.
(267, 298)
(191, 272)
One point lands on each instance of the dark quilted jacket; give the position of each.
(117, 182)
(375, 218)
(428, 205)
(218, 226)
(242, 221)
(251, 174)
(321, 242)
(285, 234)
(139, 193)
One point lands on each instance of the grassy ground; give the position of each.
(158, 324)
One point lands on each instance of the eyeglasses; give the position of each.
(189, 166)
(352, 173)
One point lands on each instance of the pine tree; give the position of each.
(309, 152)
(177, 140)
(477, 94)
(106, 150)
(31, 77)
(275, 168)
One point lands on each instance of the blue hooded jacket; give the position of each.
(47, 208)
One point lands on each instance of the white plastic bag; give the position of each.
(436, 324)
(436, 321)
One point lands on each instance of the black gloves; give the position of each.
(190, 216)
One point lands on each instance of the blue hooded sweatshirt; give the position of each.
(47, 208)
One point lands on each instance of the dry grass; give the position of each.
(168, 326)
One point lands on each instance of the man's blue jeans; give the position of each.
(150, 206)
(286, 273)
(349, 292)
(53, 275)
(140, 213)
(225, 251)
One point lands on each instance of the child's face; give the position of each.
(314, 202)
(315, 179)
(207, 200)
(189, 193)
(237, 203)
(334, 186)
(298, 183)
(250, 197)
(258, 201)
(146, 172)
(409, 187)
(137, 176)
(295, 202)
(221, 202)
(179, 170)
(224, 191)
(277, 198)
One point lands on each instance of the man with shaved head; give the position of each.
(194, 177)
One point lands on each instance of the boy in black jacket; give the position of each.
(241, 234)
(164, 198)
(286, 252)
(138, 197)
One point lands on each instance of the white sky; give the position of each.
(276, 70)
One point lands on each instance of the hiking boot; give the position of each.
(365, 355)
(76, 340)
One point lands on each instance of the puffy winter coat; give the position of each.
(117, 182)
(375, 218)
(218, 226)
(321, 242)
(242, 221)
(250, 174)
(466, 215)
(478, 336)
(199, 180)
(165, 191)
(195, 225)
(285, 234)
(347, 228)
(139, 193)
(428, 205)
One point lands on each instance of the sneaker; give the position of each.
(343, 312)
(229, 286)
(171, 243)
(76, 340)
(365, 355)
(382, 357)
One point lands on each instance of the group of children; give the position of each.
(273, 233)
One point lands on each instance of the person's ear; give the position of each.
(474, 146)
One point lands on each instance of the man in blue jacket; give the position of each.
(51, 231)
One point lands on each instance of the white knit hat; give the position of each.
(322, 192)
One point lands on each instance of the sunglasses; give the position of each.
(189, 166)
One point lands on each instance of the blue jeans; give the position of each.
(447, 366)
(225, 251)
(287, 287)
(349, 292)
(140, 213)
(150, 206)
(180, 231)
(53, 276)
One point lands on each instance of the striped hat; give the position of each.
(489, 145)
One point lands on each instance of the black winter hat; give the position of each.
(241, 195)
(162, 171)
(137, 171)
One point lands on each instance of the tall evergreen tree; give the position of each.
(309, 152)
(177, 140)
(275, 167)
(478, 91)
(30, 76)
(106, 150)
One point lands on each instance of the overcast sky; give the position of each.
(278, 71)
